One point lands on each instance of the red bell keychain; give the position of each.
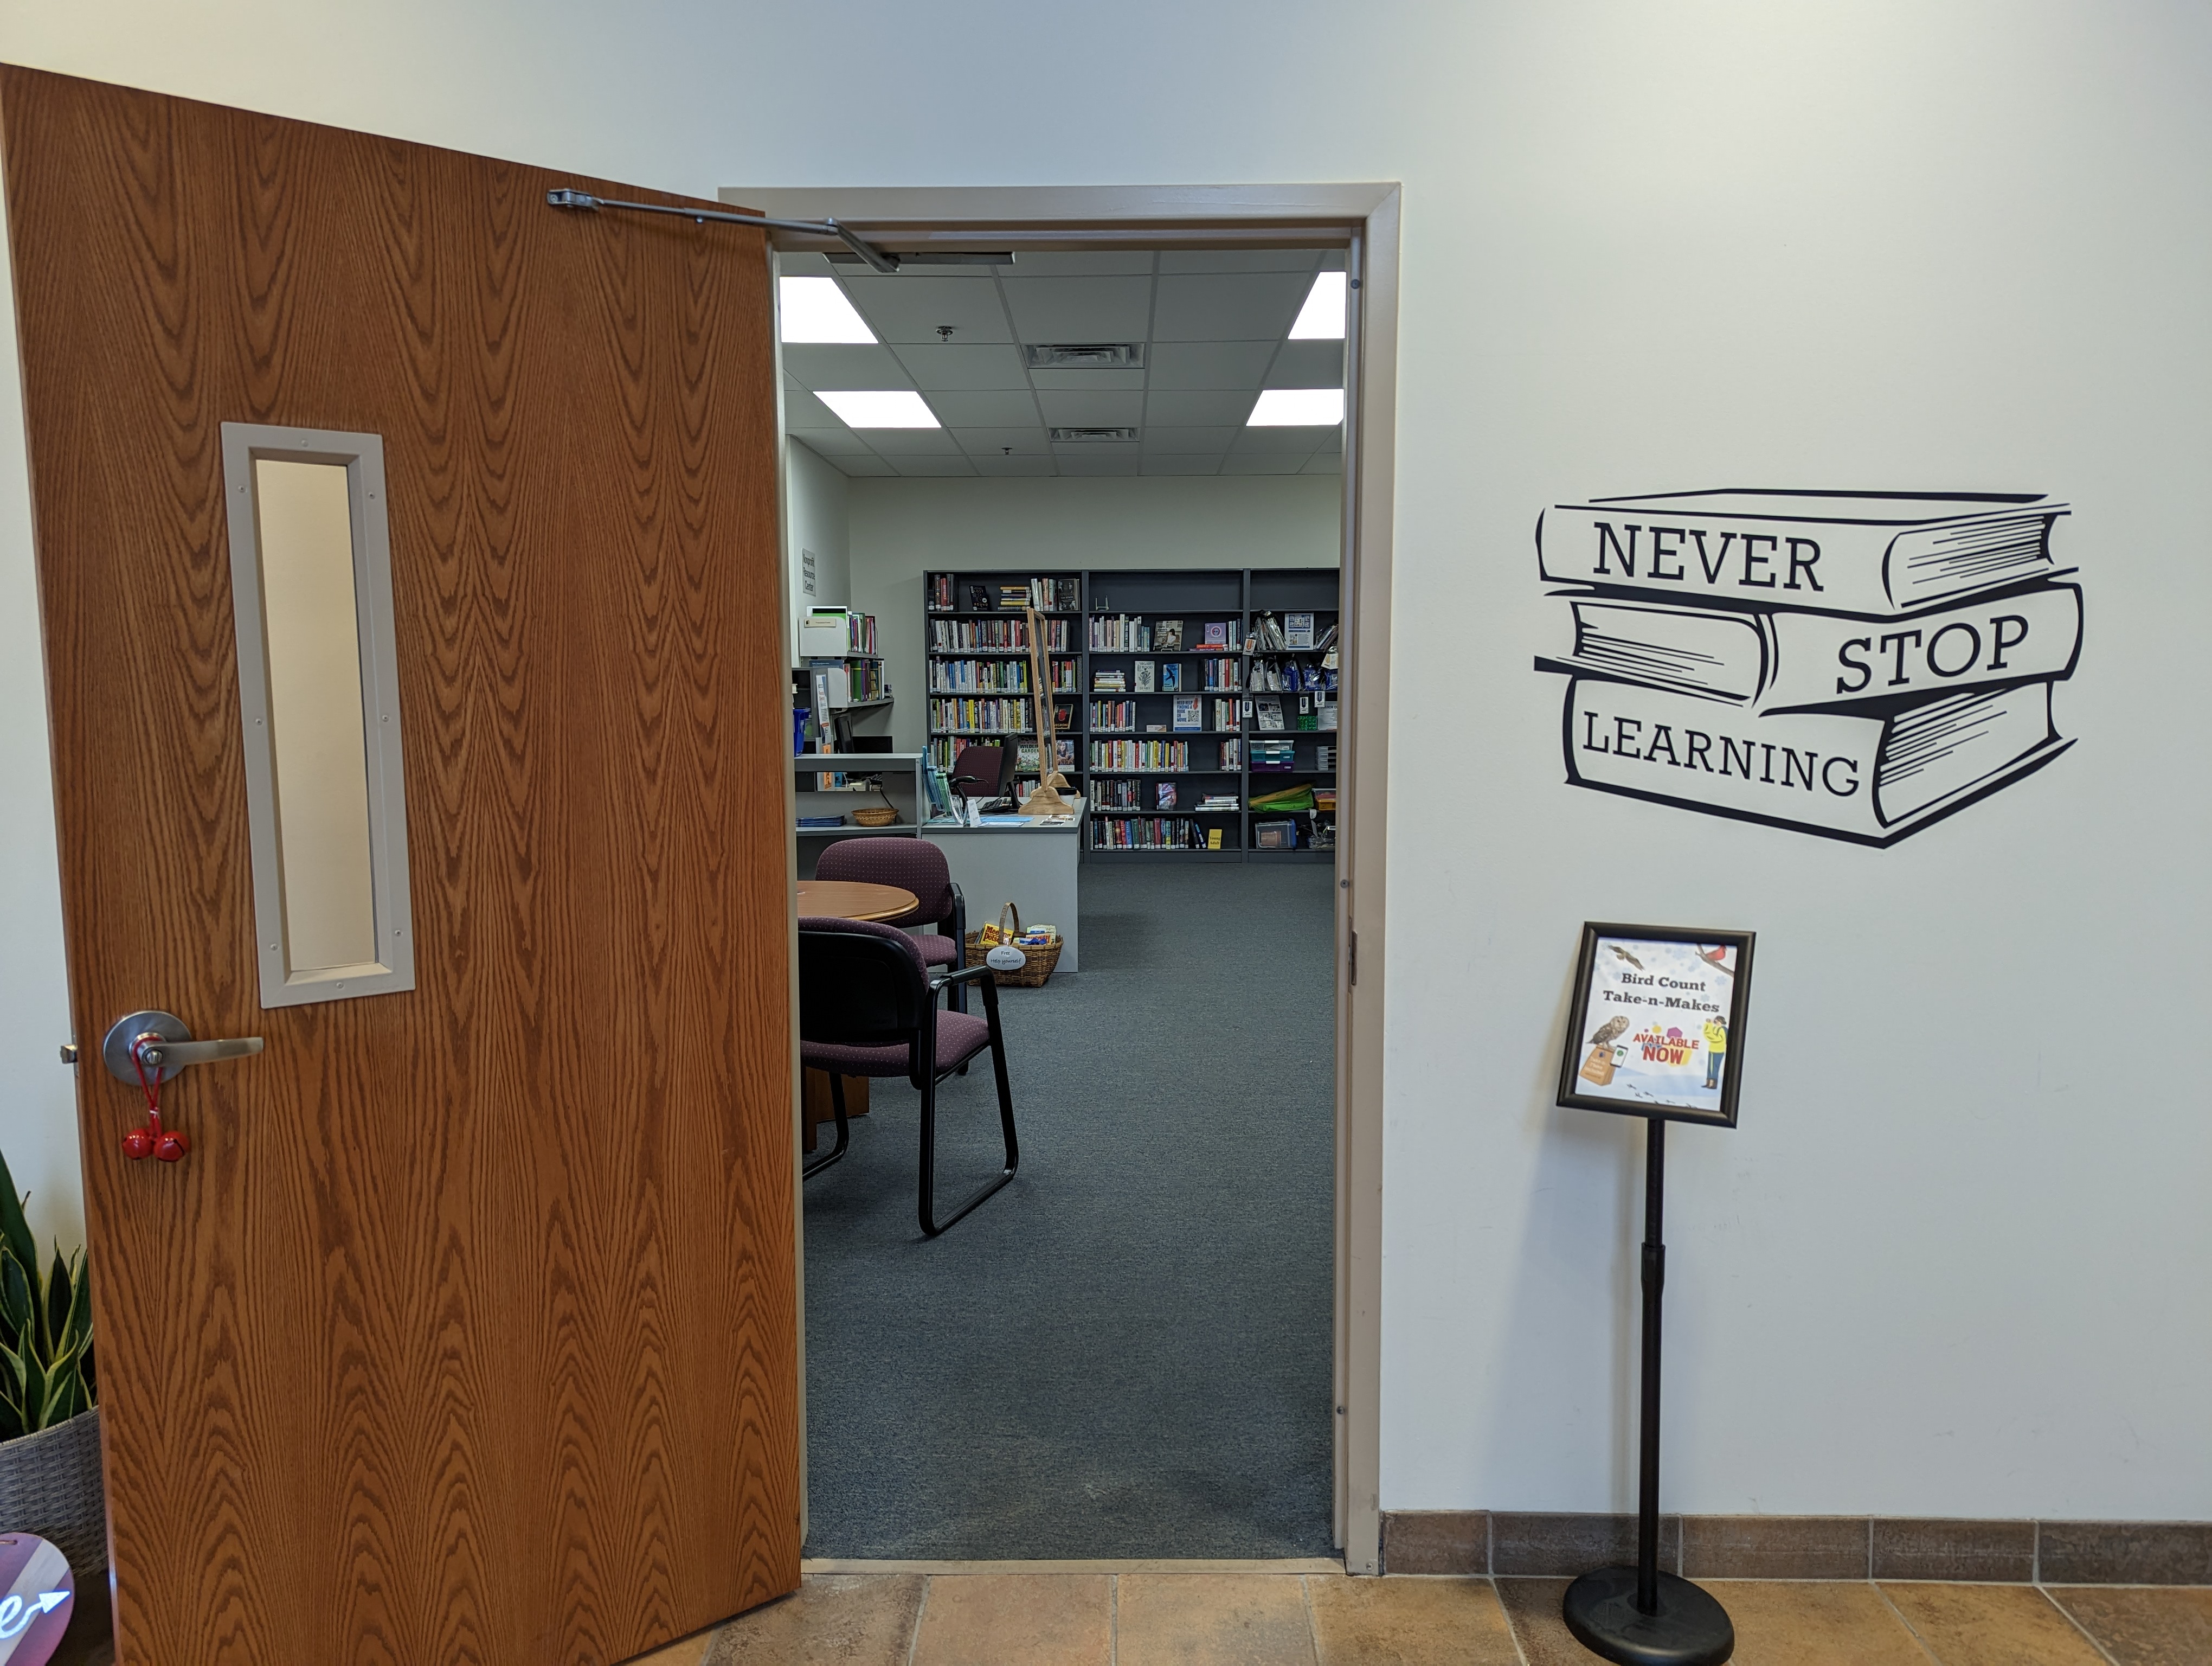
(168, 1145)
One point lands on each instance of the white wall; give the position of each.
(902, 528)
(1952, 1260)
(817, 517)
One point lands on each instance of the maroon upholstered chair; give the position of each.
(868, 1007)
(917, 865)
(979, 772)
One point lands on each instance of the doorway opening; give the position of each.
(1106, 406)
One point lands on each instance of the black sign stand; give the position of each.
(1638, 1615)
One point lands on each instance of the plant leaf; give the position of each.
(61, 1281)
(16, 1313)
(15, 1230)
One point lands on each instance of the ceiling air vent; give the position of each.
(1086, 356)
(1085, 436)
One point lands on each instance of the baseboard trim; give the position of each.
(1556, 1545)
(1126, 1564)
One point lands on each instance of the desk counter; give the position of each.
(1017, 859)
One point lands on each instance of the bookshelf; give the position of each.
(977, 658)
(1125, 742)
(843, 678)
(1299, 680)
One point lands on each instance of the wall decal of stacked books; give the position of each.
(1855, 664)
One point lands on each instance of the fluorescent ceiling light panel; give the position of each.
(888, 408)
(1286, 407)
(1321, 318)
(815, 309)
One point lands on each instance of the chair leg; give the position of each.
(844, 1130)
(931, 1227)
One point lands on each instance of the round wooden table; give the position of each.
(849, 899)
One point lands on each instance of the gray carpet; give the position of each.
(1126, 1352)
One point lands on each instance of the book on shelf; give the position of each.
(1188, 713)
(993, 635)
(1768, 659)
(1225, 714)
(1328, 640)
(940, 593)
(979, 676)
(1170, 676)
(1269, 712)
(1119, 633)
(1144, 833)
(1232, 757)
(1217, 636)
(1163, 794)
(1274, 755)
(1224, 673)
(1218, 804)
(1108, 682)
(1297, 630)
(1142, 676)
(1213, 838)
(1167, 635)
(1008, 716)
(1869, 776)
(1109, 715)
(1872, 553)
(1141, 757)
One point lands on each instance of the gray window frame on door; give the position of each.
(362, 455)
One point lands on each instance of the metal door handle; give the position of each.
(169, 1047)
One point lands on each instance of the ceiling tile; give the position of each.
(1183, 463)
(980, 442)
(1250, 307)
(1188, 439)
(1211, 364)
(1198, 409)
(906, 307)
(1261, 463)
(1083, 308)
(833, 441)
(1239, 260)
(818, 366)
(863, 467)
(1300, 441)
(1308, 364)
(1105, 263)
(1093, 410)
(1332, 260)
(802, 409)
(1090, 381)
(912, 468)
(1008, 467)
(1327, 462)
(936, 367)
(904, 442)
(1097, 459)
(1007, 410)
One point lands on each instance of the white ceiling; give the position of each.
(1214, 325)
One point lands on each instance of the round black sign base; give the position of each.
(1690, 1628)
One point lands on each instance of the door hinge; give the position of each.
(1351, 958)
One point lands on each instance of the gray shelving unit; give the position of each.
(1196, 597)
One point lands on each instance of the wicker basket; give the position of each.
(879, 815)
(1040, 960)
(50, 1486)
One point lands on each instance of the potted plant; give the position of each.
(49, 1425)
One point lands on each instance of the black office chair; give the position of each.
(979, 772)
(868, 1007)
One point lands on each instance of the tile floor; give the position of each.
(969, 1615)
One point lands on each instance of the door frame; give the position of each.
(1363, 219)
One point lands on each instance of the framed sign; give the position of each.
(1656, 1026)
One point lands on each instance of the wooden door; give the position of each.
(467, 1331)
